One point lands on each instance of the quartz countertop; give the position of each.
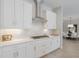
(15, 41)
(23, 40)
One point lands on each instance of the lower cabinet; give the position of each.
(43, 47)
(23, 50)
(26, 50)
(31, 50)
(55, 43)
(9, 52)
(36, 48)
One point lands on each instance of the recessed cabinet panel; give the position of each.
(9, 51)
(51, 17)
(27, 15)
(22, 50)
(19, 13)
(55, 43)
(31, 50)
(9, 54)
(43, 47)
(15, 14)
(7, 13)
(26, 50)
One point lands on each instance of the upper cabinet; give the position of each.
(19, 11)
(51, 19)
(27, 15)
(15, 14)
(23, 14)
(7, 13)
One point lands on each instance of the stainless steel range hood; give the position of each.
(38, 12)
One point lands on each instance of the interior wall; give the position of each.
(59, 23)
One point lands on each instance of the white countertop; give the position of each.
(15, 41)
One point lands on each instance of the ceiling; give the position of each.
(70, 7)
(50, 3)
(53, 3)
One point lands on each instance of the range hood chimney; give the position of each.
(38, 12)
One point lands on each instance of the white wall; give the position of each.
(59, 22)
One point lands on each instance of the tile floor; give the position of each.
(70, 50)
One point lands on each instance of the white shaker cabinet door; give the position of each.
(22, 50)
(27, 15)
(51, 17)
(19, 13)
(26, 50)
(58, 42)
(9, 52)
(48, 46)
(30, 50)
(42, 47)
(55, 43)
(7, 13)
(1, 13)
(39, 50)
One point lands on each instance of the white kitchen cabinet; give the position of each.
(15, 14)
(30, 50)
(26, 50)
(27, 15)
(23, 14)
(55, 43)
(49, 46)
(7, 13)
(19, 11)
(9, 52)
(58, 41)
(23, 50)
(43, 47)
(51, 18)
(35, 48)
(39, 49)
